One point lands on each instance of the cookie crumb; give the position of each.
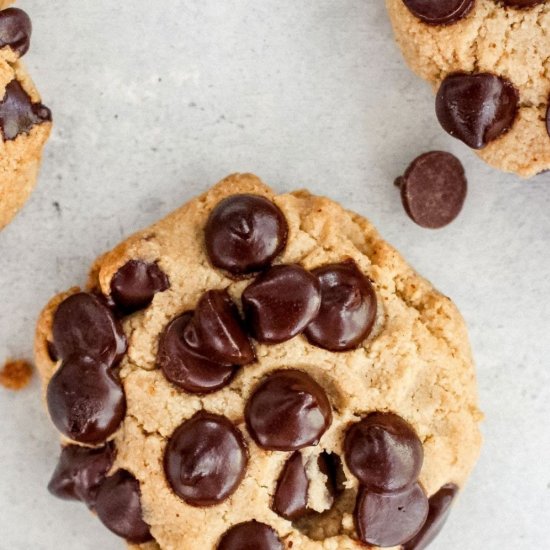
(16, 375)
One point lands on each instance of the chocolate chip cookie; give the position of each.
(25, 123)
(489, 62)
(260, 371)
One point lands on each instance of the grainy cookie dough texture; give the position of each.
(416, 363)
(490, 38)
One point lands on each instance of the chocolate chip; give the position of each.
(86, 400)
(80, 471)
(330, 465)
(205, 459)
(84, 325)
(523, 3)
(383, 452)
(440, 12)
(18, 115)
(476, 108)
(184, 367)
(290, 499)
(288, 411)
(118, 507)
(281, 302)
(348, 308)
(15, 30)
(390, 519)
(244, 233)
(251, 535)
(135, 284)
(440, 507)
(216, 331)
(433, 189)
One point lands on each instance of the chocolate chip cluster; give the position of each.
(199, 352)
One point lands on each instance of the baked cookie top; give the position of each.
(489, 61)
(260, 367)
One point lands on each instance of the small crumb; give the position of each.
(16, 375)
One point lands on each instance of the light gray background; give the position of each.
(155, 101)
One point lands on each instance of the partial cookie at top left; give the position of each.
(25, 123)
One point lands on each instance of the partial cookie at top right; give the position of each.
(489, 62)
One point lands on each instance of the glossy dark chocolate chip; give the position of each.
(383, 452)
(476, 108)
(440, 507)
(281, 302)
(433, 189)
(18, 114)
(330, 465)
(205, 459)
(216, 330)
(84, 325)
(186, 368)
(86, 400)
(118, 506)
(390, 519)
(80, 471)
(523, 4)
(440, 12)
(288, 411)
(251, 535)
(135, 284)
(348, 308)
(244, 233)
(291, 495)
(15, 30)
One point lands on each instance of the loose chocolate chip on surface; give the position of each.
(135, 284)
(291, 495)
(217, 331)
(186, 368)
(288, 411)
(281, 302)
(476, 108)
(86, 400)
(205, 459)
(348, 308)
(80, 471)
(18, 114)
(440, 507)
(433, 189)
(251, 535)
(15, 30)
(390, 519)
(118, 506)
(244, 233)
(440, 12)
(523, 3)
(84, 325)
(383, 452)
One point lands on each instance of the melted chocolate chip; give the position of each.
(290, 499)
(80, 471)
(118, 506)
(84, 325)
(15, 30)
(135, 284)
(216, 331)
(186, 368)
(330, 464)
(288, 411)
(440, 507)
(86, 400)
(348, 308)
(205, 459)
(433, 189)
(383, 452)
(440, 12)
(281, 302)
(523, 4)
(251, 535)
(476, 108)
(390, 519)
(244, 233)
(18, 114)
